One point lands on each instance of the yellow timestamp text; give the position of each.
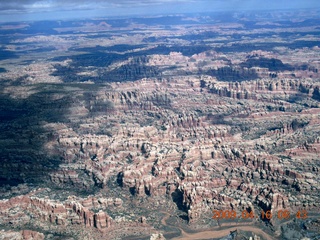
(264, 215)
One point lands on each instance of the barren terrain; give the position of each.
(141, 129)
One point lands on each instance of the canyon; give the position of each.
(145, 142)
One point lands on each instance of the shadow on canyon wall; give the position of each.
(23, 158)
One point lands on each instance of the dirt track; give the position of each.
(209, 234)
(221, 233)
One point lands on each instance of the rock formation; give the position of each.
(125, 136)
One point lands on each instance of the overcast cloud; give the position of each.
(19, 9)
(40, 5)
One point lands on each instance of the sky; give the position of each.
(16, 10)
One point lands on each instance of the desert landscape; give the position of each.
(187, 126)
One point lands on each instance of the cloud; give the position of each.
(40, 5)
(8, 7)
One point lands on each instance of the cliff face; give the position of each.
(258, 88)
(41, 211)
(202, 148)
(128, 128)
(272, 64)
(202, 143)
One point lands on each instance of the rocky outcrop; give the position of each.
(157, 236)
(264, 89)
(202, 151)
(191, 141)
(73, 211)
(22, 235)
(137, 130)
(210, 164)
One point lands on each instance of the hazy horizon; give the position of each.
(33, 10)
